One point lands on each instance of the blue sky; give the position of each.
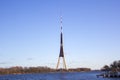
(30, 32)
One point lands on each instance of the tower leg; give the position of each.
(58, 63)
(64, 63)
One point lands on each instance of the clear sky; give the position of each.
(30, 32)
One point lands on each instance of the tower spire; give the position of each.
(61, 54)
(61, 23)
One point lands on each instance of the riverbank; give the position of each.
(110, 75)
(26, 70)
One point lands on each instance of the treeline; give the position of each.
(114, 67)
(74, 70)
(79, 69)
(25, 70)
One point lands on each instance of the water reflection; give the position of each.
(57, 76)
(62, 76)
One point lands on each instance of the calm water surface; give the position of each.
(57, 76)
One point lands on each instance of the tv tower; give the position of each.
(61, 54)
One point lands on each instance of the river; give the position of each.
(56, 76)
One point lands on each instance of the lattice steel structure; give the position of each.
(61, 54)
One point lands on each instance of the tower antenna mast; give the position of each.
(61, 54)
